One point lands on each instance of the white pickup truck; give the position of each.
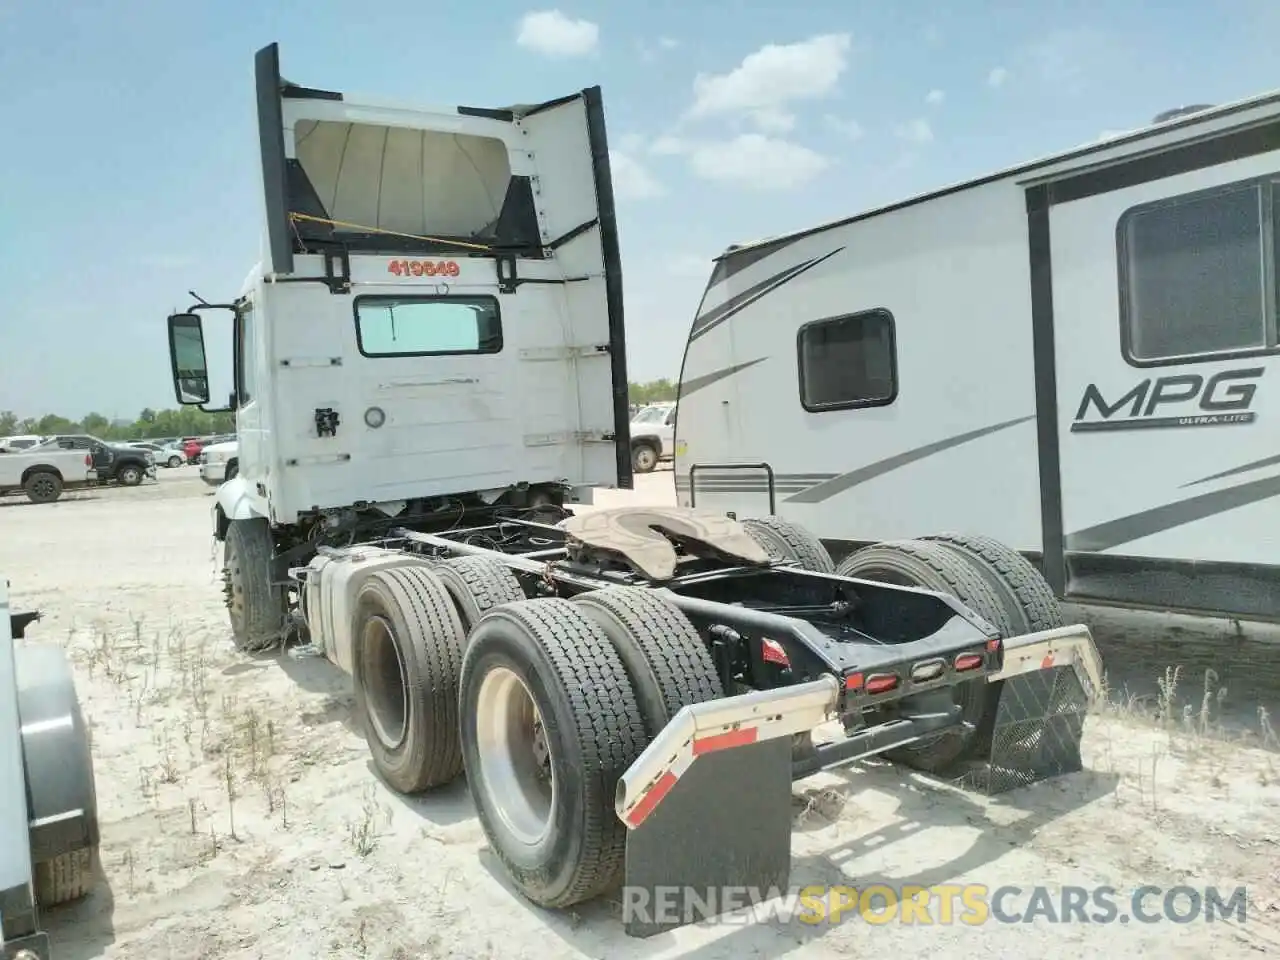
(44, 472)
(653, 431)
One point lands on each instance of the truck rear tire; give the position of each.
(668, 664)
(477, 585)
(1027, 596)
(784, 540)
(544, 791)
(406, 666)
(256, 606)
(923, 563)
(42, 486)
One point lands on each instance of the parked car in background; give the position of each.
(44, 471)
(117, 462)
(219, 462)
(21, 442)
(652, 436)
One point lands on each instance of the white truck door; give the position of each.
(1168, 381)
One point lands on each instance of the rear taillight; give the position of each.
(88, 460)
(773, 652)
(968, 661)
(881, 683)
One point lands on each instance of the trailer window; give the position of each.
(427, 326)
(1198, 275)
(848, 362)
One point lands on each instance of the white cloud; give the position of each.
(758, 162)
(771, 78)
(651, 51)
(915, 131)
(997, 77)
(668, 146)
(846, 128)
(630, 143)
(773, 120)
(552, 34)
(631, 180)
(932, 36)
(934, 97)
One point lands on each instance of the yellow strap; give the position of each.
(390, 233)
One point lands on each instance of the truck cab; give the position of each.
(435, 328)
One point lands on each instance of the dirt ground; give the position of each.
(241, 820)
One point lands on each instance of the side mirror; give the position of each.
(187, 359)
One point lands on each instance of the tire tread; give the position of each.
(436, 633)
(1033, 593)
(784, 540)
(608, 728)
(678, 660)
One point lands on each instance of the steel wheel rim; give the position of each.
(383, 681)
(129, 474)
(645, 458)
(516, 768)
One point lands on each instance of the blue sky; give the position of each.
(130, 166)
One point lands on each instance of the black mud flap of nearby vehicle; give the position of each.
(709, 840)
(1034, 722)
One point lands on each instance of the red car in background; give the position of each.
(191, 448)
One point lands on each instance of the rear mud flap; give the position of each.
(708, 807)
(721, 836)
(1034, 719)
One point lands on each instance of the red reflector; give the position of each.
(881, 683)
(724, 741)
(968, 661)
(651, 799)
(993, 645)
(853, 681)
(775, 653)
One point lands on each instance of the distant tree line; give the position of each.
(655, 391)
(191, 422)
(182, 422)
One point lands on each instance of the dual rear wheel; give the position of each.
(543, 703)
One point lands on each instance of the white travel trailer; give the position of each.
(1073, 356)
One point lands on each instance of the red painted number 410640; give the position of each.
(424, 268)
